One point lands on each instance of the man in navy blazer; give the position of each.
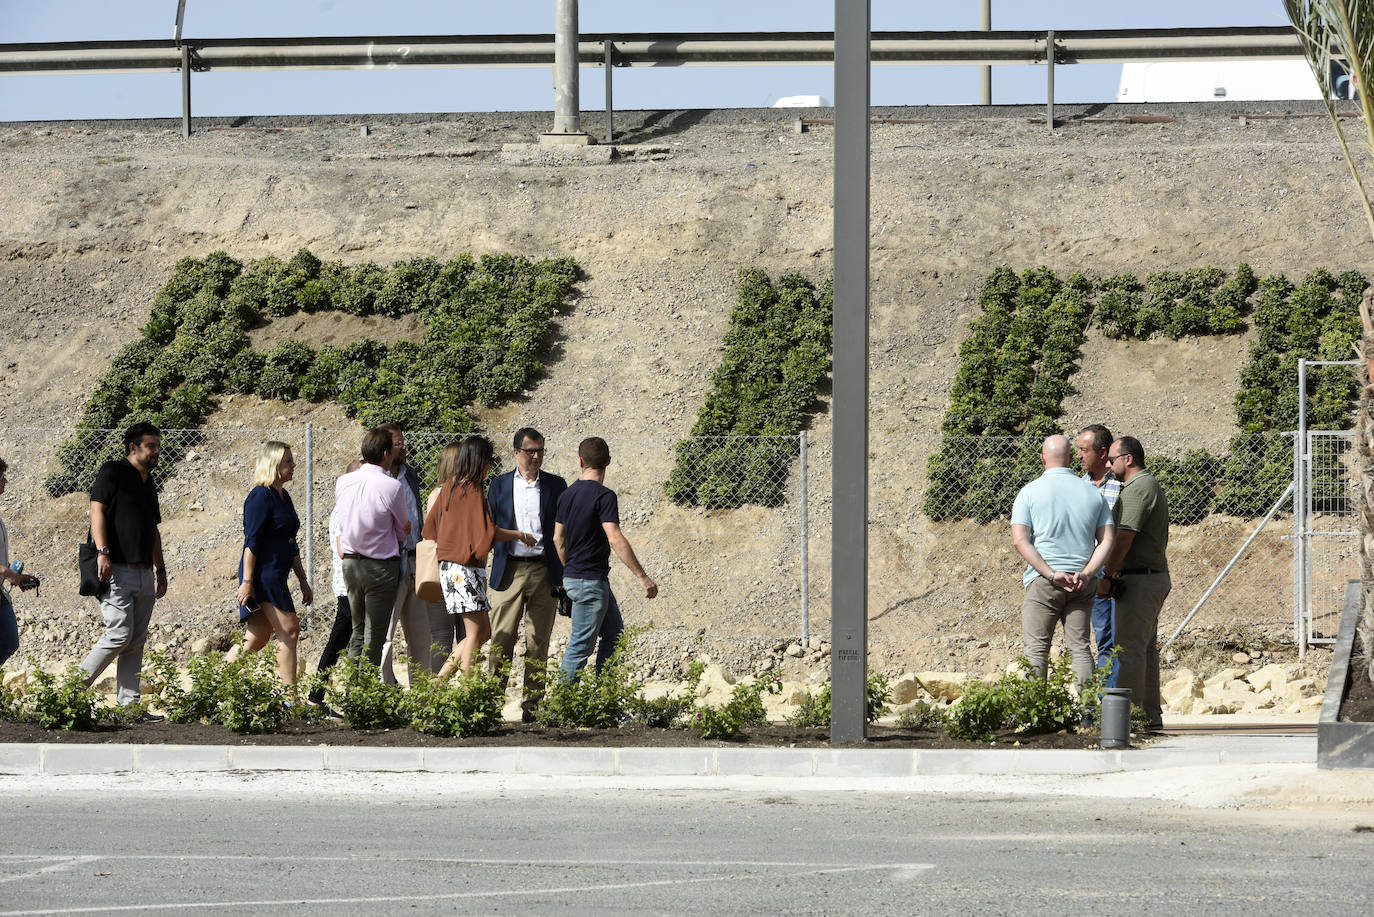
(525, 581)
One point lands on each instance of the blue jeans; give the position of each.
(595, 614)
(9, 629)
(1104, 627)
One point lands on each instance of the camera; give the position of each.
(27, 581)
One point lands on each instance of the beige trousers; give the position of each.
(525, 592)
(1043, 607)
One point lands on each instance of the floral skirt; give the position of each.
(465, 588)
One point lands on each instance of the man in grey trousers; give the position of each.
(1063, 529)
(124, 520)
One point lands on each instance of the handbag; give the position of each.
(88, 563)
(427, 587)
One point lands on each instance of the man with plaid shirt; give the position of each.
(1093, 444)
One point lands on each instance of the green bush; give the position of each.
(923, 716)
(468, 704)
(1023, 701)
(979, 713)
(776, 354)
(745, 708)
(199, 702)
(252, 698)
(600, 698)
(363, 699)
(62, 702)
(490, 321)
(814, 709)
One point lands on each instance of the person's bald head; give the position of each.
(1055, 451)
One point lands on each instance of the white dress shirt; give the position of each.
(525, 495)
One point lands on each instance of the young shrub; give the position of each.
(62, 702)
(979, 713)
(363, 699)
(813, 711)
(468, 704)
(595, 698)
(252, 698)
(922, 717)
(1036, 705)
(11, 708)
(671, 710)
(745, 708)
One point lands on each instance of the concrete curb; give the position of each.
(878, 763)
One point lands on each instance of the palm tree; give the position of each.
(1343, 30)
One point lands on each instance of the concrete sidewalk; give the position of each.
(863, 763)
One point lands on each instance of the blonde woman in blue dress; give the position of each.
(270, 553)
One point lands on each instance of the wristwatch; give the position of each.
(105, 551)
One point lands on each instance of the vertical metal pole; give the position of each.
(310, 503)
(610, 106)
(849, 467)
(1049, 79)
(985, 72)
(566, 104)
(805, 536)
(185, 90)
(1298, 567)
(1300, 508)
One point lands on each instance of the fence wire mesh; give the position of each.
(719, 524)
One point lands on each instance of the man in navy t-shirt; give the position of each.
(586, 530)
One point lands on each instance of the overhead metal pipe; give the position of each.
(640, 50)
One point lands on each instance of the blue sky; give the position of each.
(158, 95)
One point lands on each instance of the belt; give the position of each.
(353, 556)
(527, 557)
(1139, 571)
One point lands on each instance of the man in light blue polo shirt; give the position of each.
(1064, 530)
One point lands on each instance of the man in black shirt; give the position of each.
(124, 520)
(586, 530)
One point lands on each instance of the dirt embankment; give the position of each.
(98, 213)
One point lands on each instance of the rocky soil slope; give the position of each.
(96, 213)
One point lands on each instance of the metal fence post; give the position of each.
(610, 106)
(805, 573)
(1049, 79)
(1300, 500)
(310, 503)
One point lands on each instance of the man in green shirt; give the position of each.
(1138, 560)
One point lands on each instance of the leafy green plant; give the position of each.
(62, 702)
(671, 710)
(11, 704)
(363, 699)
(252, 698)
(979, 713)
(745, 708)
(776, 354)
(469, 704)
(922, 716)
(489, 323)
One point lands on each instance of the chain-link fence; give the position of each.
(735, 530)
(719, 558)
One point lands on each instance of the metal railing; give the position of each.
(186, 55)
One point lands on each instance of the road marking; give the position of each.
(902, 871)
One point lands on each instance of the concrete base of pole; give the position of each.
(579, 139)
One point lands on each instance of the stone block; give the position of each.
(1295, 691)
(1271, 677)
(1181, 688)
(715, 687)
(1224, 676)
(944, 685)
(905, 690)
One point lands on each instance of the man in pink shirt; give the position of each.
(372, 524)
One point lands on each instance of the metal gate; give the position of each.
(1329, 535)
(1326, 549)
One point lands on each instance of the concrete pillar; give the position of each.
(567, 117)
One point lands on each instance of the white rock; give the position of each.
(1181, 688)
(944, 685)
(904, 690)
(1225, 675)
(201, 647)
(715, 687)
(1295, 691)
(795, 650)
(1272, 677)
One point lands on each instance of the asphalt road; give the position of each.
(464, 844)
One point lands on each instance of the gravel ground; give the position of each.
(98, 212)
